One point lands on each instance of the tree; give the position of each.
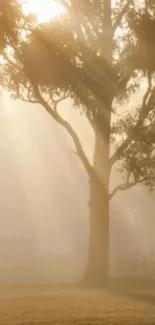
(89, 55)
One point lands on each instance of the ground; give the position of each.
(77, 306)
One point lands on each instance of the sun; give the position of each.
(44, 9)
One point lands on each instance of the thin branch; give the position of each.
(124, 186)
(147, 102)
(28, 100)
(57, 101)
(79, 149)
(80, 152)
(69, 129)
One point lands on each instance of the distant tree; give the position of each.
(98, 54)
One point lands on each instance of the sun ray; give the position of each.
(44, 9)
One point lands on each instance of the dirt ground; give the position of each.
(77, 307)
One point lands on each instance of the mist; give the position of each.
(44, 225)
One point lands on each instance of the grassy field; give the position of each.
(78, 307)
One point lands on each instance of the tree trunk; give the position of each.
(97, 270)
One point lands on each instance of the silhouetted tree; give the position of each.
(94, 55)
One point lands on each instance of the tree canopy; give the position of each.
(68, 56)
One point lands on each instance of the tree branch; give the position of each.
(124, 186)
(146, 105)
(31, 101)
(80, 152)
(57, 101)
